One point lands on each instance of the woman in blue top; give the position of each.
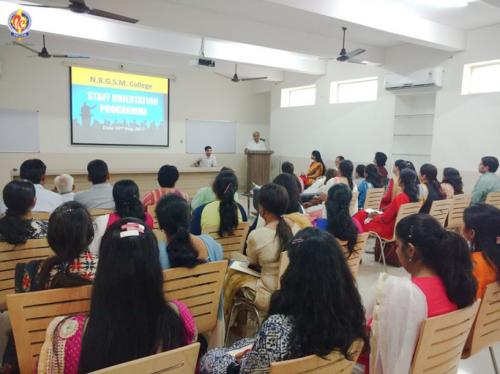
(184, 249)
(372, 180)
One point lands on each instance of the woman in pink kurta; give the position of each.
(129, 317)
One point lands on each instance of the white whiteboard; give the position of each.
(19, 131)
(220, 135)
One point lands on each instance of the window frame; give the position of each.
(335, 85)
(467, 77)
(289, 90)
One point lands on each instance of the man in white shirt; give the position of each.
(34, 171)
(257, 144)
(100, 195)
(209, 160)
(65, 186)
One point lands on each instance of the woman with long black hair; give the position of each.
(433, 190)
(452, 183)
(129, 317)
(371, 180)
(316, 169)
(317, 310)
(441, 282)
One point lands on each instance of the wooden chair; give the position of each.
(199, 288)
(373, 198)
(42, 216)
(405, 210)
(177, 361)
(440, 210)
(354, 259)
(354, 203)
(96, 212)
(232, 245)
(10, 255)
(493, 198)
(335, 362)
(456, 216)
(486, 329)
(31, 313)
(442, 340)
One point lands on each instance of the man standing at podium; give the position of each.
(257, 144)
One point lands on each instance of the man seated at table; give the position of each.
(208, 160)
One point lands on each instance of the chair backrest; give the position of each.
(42, 216)
(486, 329)
(374, 198)
(493, 198)
(231, 244)
(10, 255)
(199, 288)
(404, 211)
(354, 259)
(456, 216)
(335, 362)
(442, 340)
(354, 203)
(440, 210)
(177, 361)
(31, 313)
(96, 212)
(284, 261)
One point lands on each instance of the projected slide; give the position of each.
(116, 108)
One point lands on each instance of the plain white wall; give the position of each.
(37, 84)
(466, 127)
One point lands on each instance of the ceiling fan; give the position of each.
(235, 78)
(345, 56)
(79, 6)
(44, 53)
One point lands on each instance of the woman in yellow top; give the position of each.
(316, 169)
(482, 230)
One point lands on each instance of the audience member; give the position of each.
(206, 194)
(393, 189)
(339, 222)
(383, 223)
(17, 226)
(306, 316)
(129, 317)
(127, 205)
(428, 178)
(65, 186)
(482, 231)
(288, 168)
(380, 160)
(359, 174)
(371, 180)
(70, 233)
(452, 183)
(320, 185)
(167, 178)
(224, 212)
(183, 249)
(338, 160)
(100, 195)
(344, 176)
(488, 181)
(316, 169)
(441, 282)
(34, 170)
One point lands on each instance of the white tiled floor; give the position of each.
(367, 278)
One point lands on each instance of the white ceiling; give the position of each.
(294, 32)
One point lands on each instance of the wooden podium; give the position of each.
(258, 167)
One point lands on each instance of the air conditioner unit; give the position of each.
(432, 78)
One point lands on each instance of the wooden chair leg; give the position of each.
(493, 359)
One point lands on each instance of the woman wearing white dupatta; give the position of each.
(441, 282)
